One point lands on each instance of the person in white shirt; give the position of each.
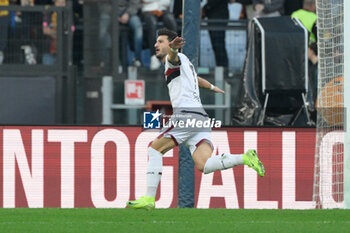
(183, 84)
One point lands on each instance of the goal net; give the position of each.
(329, 153)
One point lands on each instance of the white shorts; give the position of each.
(192, 137)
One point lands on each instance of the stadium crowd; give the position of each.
(37, 40)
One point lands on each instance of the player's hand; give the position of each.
(218, 90)
(177, 43)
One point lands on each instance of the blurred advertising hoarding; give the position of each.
(103, 167)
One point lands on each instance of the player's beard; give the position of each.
(160, 56)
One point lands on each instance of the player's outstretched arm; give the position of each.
(203, 83)
(175, 45)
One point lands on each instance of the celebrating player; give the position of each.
(183, 84)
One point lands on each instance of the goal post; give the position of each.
(329, 151)
(347, 104)
(190, 31)
(330, 173)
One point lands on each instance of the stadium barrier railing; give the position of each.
(27, 48)
(222, 104)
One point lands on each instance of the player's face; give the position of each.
(162, 46)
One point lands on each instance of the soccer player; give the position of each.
(183, 84)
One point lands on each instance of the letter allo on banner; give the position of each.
(134, 92)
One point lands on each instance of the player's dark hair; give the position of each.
(166, 32)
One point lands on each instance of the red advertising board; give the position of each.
(103, 167)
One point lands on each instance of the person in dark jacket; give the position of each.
(292, 5)
(128, 15)
(217, 9)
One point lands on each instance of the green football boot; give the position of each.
(250, 158)
(147, 203)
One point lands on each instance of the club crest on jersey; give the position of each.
(151, 120)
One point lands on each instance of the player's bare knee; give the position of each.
(163, 145)
(161, 149)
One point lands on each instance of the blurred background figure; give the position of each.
(307, 16)
(128, 10)
(177, 9)
(217, 9)
(26, 33)
(268, 8)
(247, 6)
(104, 36)
(292, 5)
(152, 12)
(50, 31)
(128, 15)
(30, 24)
(4, 26)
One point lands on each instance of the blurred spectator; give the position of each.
(50, 30)
(30, 25)
(154, 10)
(4, 26)
(217, 9)
(268, 8)
(292, 5)
(307, 16)
(105, 40)
(248, 7)
(25, 44)
(128, 10)
(78, 33)
(177, 9)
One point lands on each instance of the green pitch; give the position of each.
(173, 220)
